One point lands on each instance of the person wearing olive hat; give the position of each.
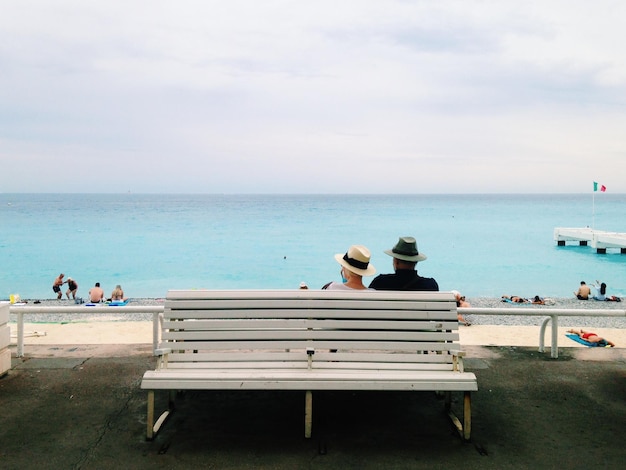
(405, 256)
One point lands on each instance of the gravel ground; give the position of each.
(555, 303)
(478, 302)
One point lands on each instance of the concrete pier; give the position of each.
(598, 239)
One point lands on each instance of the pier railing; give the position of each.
(552, 315)
(21, 311)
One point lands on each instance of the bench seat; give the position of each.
(310, 341)
(302, 379)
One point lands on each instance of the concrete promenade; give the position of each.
(73, 404)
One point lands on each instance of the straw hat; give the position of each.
(406, 250)
(357, 260)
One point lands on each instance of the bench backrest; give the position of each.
(277, 328)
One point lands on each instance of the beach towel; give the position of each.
(578, 339)
(115, 303)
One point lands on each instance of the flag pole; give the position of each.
(593, 205)
(593, 210)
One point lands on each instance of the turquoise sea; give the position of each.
(482, 245)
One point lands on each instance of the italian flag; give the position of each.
(596, 186)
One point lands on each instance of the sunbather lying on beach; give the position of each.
(514, 298)
(591, 337)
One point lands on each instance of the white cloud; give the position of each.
(286, 96)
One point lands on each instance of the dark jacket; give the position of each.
(404, 279)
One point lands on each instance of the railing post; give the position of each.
(554, 351)
(542, 334)
(554, 348)
(20, 334)
(156, 330)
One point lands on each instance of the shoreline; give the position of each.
(478, 302)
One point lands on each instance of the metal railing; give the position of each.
(553, 315)
(21, 311)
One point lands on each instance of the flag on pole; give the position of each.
(596, 186)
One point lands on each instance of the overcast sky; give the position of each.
(341, 96)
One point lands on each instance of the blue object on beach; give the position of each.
(118, 304)
(578, 339)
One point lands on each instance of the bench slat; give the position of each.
(304, 323)
(392, 346)
(338, 335)
(300, 355)
(303, 365)
(254, 379)
(203, 313)
(309, 294)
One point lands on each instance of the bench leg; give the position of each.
(150, 420)
(467, 415)
(464, 429)
(152, 428)
(308, 413)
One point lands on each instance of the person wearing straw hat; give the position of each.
(355, 264)
(405, 257)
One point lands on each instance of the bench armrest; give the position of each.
(162, 353)
(457, 360)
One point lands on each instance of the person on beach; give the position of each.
(461, 303)
(56, 286)
(600, 288)
(118, 294)
(583, 291)
(96, 294)
(405, 277)
(354, 265)
(591, 337)
(303, 286)
(538, 301)
(460, 299)
(72, 287)
(516, 299)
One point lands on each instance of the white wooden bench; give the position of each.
(309, 340)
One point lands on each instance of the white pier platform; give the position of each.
(597, 239)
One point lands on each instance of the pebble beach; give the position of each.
(478, 302)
